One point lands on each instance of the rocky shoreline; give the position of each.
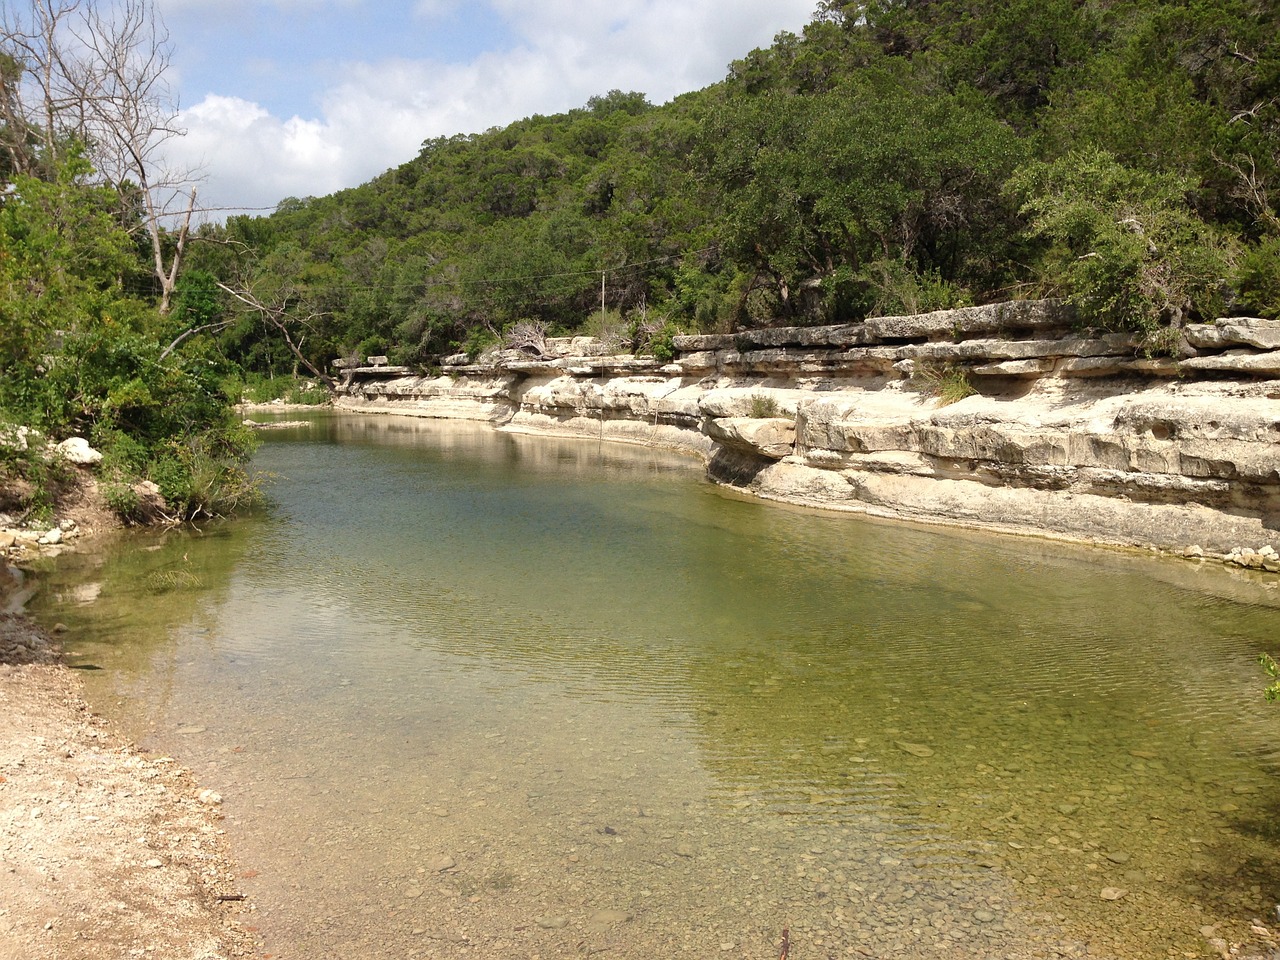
(1056, 432)
(107, 853)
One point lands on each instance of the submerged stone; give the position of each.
(915, 749)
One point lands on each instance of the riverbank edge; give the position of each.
(84, 813)
(1010, 418)
(109, 852)
(784, 483)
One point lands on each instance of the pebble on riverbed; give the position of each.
(21, 642)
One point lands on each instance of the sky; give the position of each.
(296, 98)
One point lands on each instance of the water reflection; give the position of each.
(466, 691)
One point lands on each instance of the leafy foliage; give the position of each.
(1124, 244)
(896, 156)
(1272, 670)
(84, 358)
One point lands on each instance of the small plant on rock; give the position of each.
(763, 406)
(949, 384)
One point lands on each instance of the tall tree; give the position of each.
(92, 75)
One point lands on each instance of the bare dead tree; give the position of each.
(34, 96)
(93, 77)
(279, 316)
(527, 336)
(132, 114)
(1252, 189)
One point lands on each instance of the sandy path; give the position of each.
(103, 853)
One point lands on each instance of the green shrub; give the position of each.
(123, 500)
(202, 476)
(663, 345)
(479, 339)
(609, 328)
(1124, 244)
(763, 406)
(1258, 278)
(894, 288)
(656, 337)
(948, 383)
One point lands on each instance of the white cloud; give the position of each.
(435, 8)
(252, 159)
(378, 113)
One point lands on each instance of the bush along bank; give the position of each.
(52, 494)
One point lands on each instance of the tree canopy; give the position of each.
(89, 263)
(896, 155)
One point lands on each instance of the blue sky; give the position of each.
(303, 97)
(283, 56)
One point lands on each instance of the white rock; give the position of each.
(15, 438)
(773, 437)
(77, 450)
(53, 536)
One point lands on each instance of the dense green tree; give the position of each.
(82, 356)
(894, 155)
(1125, 245)
(835, 186)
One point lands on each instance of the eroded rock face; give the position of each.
(1018, 315)
(1242, 331)
(1071, 433)
(772, 439)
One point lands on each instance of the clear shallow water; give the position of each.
(473, 694)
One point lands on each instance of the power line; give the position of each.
(462, 303)
(494, 281)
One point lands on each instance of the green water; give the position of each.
(474, 694)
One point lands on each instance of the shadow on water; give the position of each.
(895, 739)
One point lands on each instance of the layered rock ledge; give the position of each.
(1067, 434)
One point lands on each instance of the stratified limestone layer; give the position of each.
(1071, 433)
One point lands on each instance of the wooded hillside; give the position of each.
(897, 155)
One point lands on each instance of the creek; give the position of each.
(468, 693)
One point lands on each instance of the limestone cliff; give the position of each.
(1066, 433)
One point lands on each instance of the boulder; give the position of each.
(77, 450)
(15, 437)
(772, 439)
